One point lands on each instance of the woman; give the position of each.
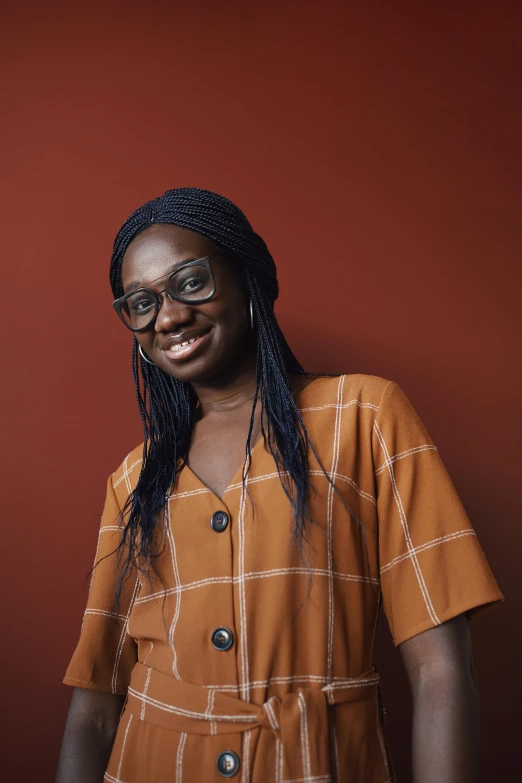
(234, 600)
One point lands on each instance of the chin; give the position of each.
(192, 371)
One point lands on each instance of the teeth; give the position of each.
(182, 345)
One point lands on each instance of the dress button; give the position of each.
(222, 639)
(219, 521)
(227, 763)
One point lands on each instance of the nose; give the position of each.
(172, 314)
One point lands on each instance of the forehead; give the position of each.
(158, 249)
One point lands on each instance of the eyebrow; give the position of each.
(143, 284)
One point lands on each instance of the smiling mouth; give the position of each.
(186, 348)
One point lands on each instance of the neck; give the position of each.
(232, 390)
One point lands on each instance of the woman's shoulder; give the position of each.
(343, 389)
(125, 477)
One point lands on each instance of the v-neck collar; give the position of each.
(238, 475)
(236, 478)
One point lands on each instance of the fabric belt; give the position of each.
(299, 720)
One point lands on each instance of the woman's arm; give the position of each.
(446, 722)
(89, 735)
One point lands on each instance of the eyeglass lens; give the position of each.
(191, 284)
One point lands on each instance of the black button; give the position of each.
(219, 521)
(227, 763)
(222, 639)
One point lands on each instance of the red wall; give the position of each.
(376, 148)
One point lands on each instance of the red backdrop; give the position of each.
(376, 148)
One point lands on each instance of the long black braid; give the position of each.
(168, 406)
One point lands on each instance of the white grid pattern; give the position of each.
(270, 573)
(209, 710)
(305, 741)
(338, 406)
(335, 461)
(118, 779)
(183, 713)
(311, 779)
(271, 476)
(427, 545)
(404, 523)
(245, 767)
(123, 636)
(105, 613)
(179, 757)
(175, 571)
(245, 694)
(403, 454)
(145, 689)
(278, 761)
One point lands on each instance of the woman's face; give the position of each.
(220, 325)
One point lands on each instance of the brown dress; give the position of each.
(251, 661)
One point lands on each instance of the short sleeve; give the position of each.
(105, 654)
(432, 566)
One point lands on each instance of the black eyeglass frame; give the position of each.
(118, 304)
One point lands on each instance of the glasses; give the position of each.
(191, 283)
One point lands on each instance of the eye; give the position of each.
(192, 284)
(140, 303)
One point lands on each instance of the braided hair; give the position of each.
(167, 406)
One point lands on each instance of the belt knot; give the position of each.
(299, 720)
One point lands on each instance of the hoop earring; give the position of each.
(251, 314)
(144, 356)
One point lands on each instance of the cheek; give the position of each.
(232, 294)
(232, 318)
(234, 303)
